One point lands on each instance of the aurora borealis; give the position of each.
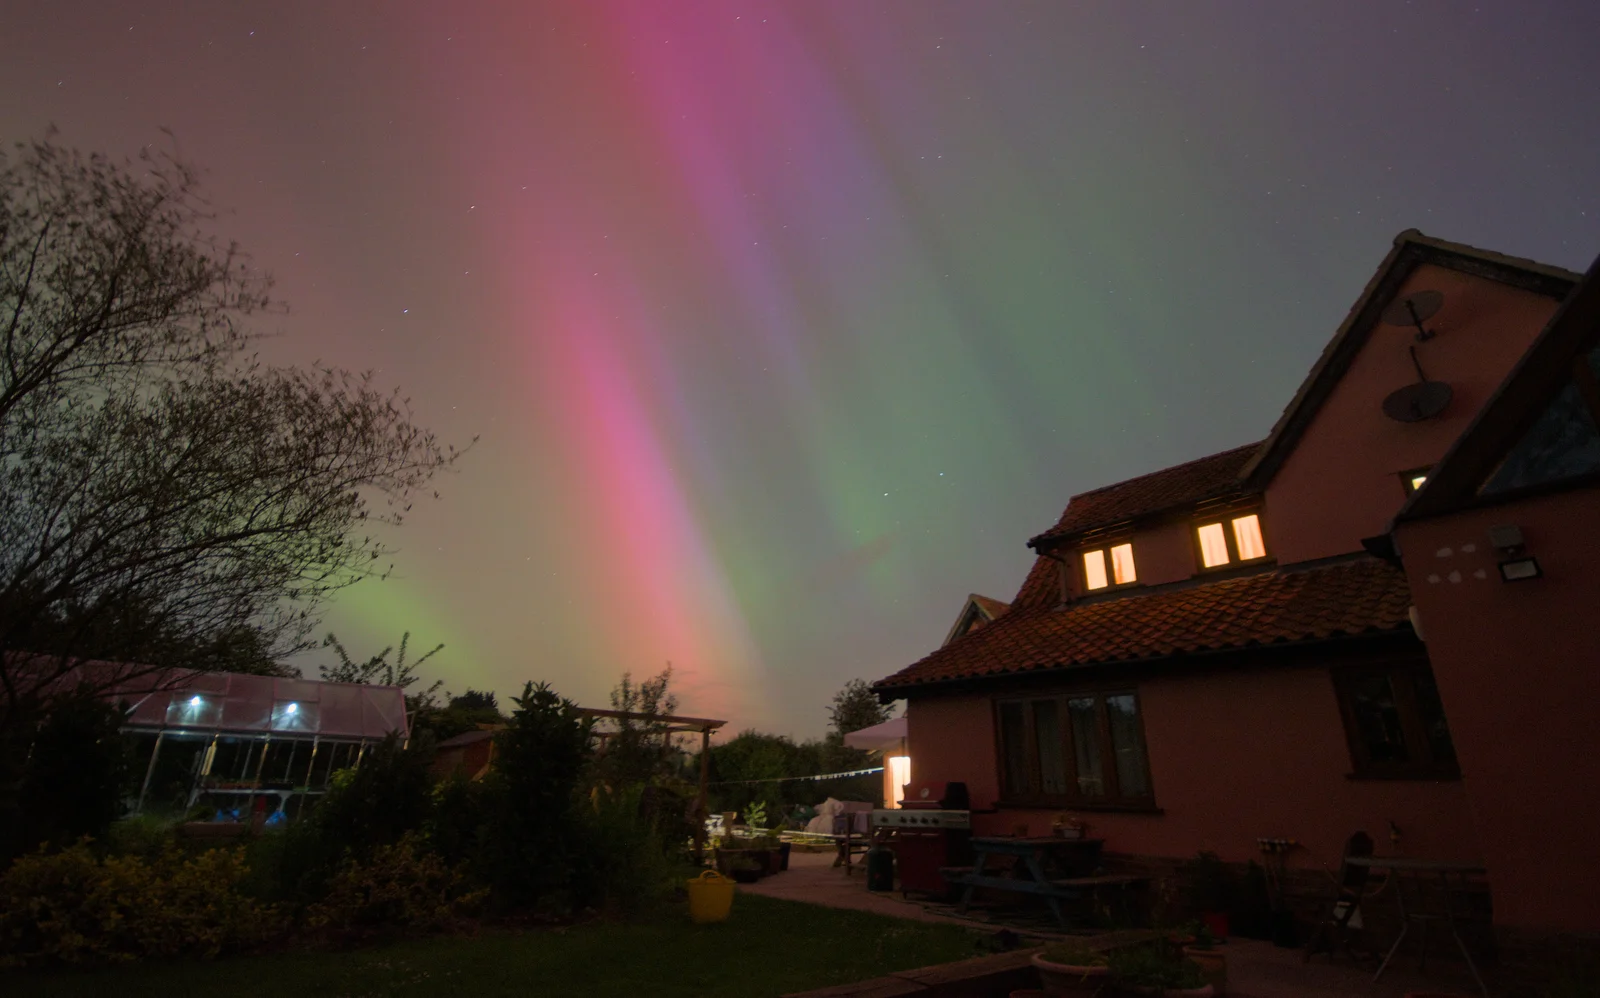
(785, 324)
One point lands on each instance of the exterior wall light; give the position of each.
(194, 701)
(291, 708)
(1519, 569)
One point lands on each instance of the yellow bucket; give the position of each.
(710, 897)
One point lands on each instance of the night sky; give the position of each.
(784, 325)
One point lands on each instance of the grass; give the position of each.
(767, 947)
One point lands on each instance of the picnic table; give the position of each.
(1453, 878)
(1073, 862)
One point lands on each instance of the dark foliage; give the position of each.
(530, 849)
(639, 750)
(856, 707)
(476, 700)
(73, 783)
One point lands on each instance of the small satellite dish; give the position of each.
(1416, 402)
(1413, 310)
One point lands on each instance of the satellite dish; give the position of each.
(1417, 402)
(1413, 310)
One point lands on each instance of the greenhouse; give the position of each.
(250, 745)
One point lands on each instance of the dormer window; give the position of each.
(1411, 481)
(1229, 541)
(1122, 572)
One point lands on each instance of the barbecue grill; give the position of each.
(931, 829)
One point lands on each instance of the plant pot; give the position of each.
(746, 876)
(783, 854)
(1216, 923)
(1213, 963)
(1068, 979)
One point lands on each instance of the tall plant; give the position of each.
(530, 847)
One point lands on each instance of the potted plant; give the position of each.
(1212, 891)
(1188, 980)
(1213, 962)
(1145, 970)
(744, 869)
(1071, 968)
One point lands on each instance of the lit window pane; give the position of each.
(1094, 569)
(1416, 481)
(1247, 534)
(1213, 545)
(1122, 564)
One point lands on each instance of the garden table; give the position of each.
(1029, 855)
(1452, 877)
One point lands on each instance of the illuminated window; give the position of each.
(1247, 535)
(1094, 570)
(1122, 570)
(1213, 545)
(1122, 564)
(1412, 480)
(1238, 540)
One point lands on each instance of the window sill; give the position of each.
(1237, 567)
(1413, 776)
(1065, 805)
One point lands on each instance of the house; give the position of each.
(1501, 549)
(1226, 650)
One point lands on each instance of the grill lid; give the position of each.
(936, 795)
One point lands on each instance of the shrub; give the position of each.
(142, 835)
(400, 887)
(69, 907)
(455, 828)
(627, 863)
(72, 784)
(378, 802)
(529, 850)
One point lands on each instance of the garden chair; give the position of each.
(1332, 933)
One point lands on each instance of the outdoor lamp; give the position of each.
(291, 708)
(1508, 540)
(1519, 569)
(194, 701)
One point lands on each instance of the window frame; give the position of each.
(1402, 683)
(1229, 536)
(1032, 794)
(1104, 548)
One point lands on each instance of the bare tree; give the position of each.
(161, 489)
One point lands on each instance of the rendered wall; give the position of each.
(1342, 482)
(1518, 667)
(1233, 756)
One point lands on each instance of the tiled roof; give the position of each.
(1184, 484)
(1348, 598)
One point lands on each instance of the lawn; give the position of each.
(768, 947)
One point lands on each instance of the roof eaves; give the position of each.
(1177, 656)
(1411, 250)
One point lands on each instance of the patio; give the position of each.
(1256, 969)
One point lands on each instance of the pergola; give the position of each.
(674, 724)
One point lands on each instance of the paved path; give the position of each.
(1255, 969)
